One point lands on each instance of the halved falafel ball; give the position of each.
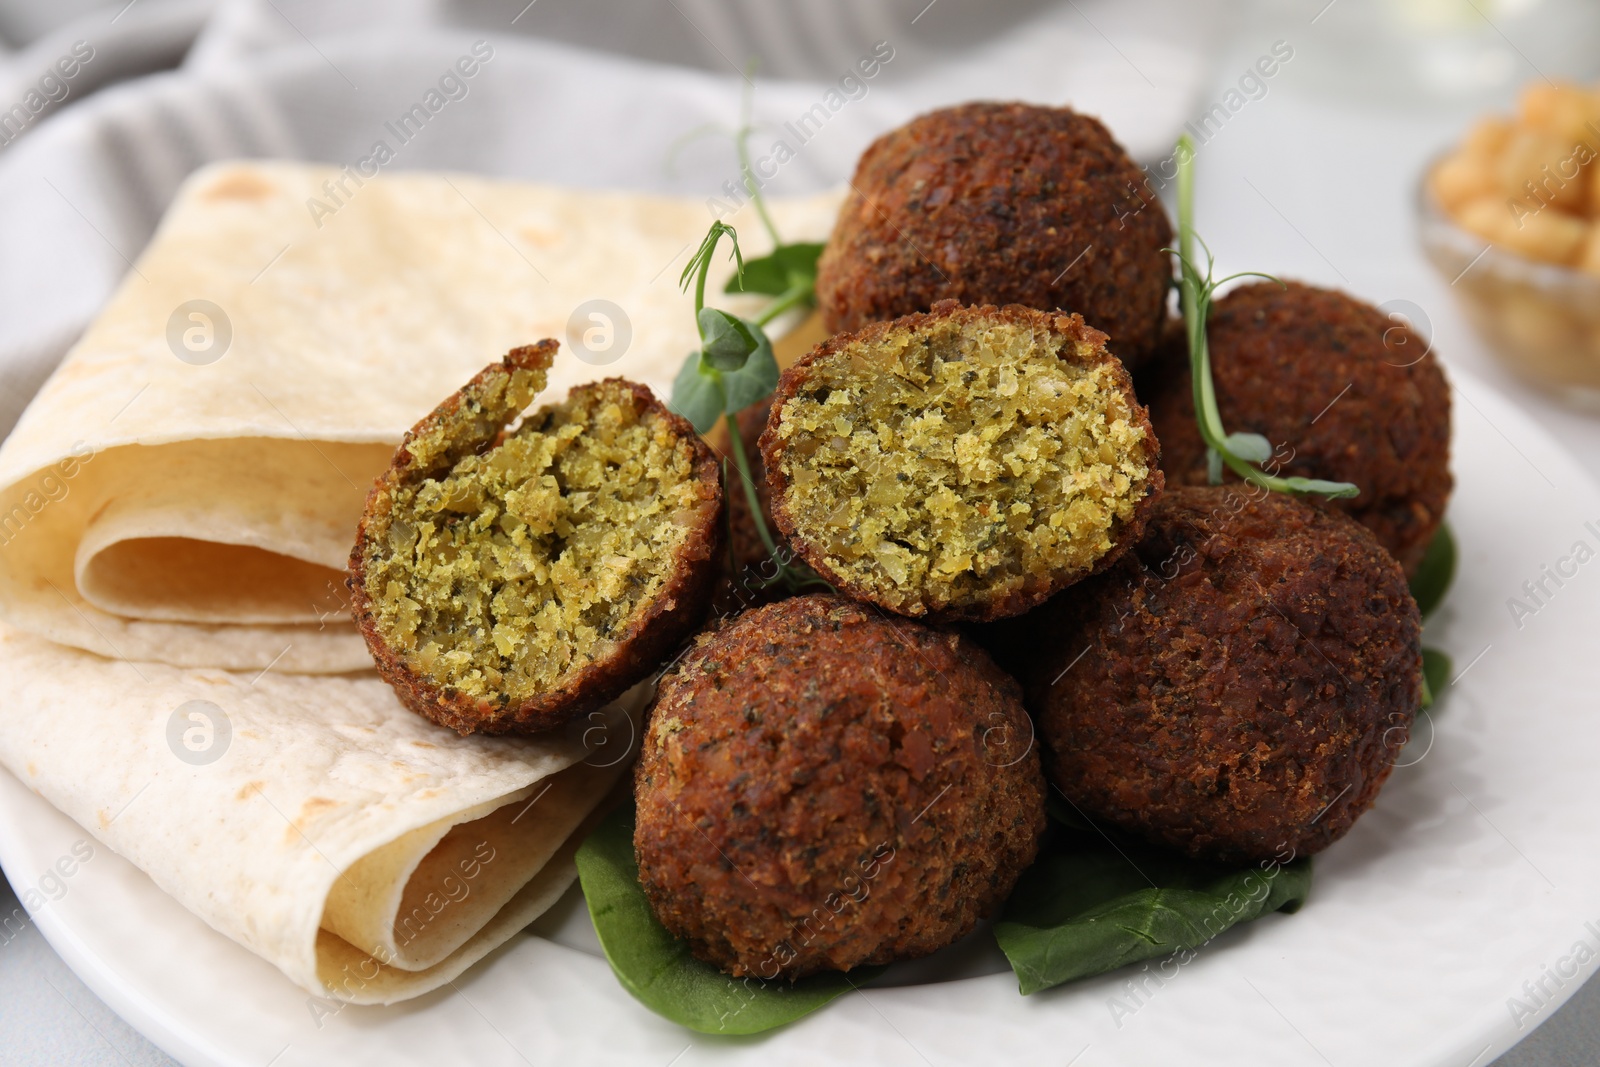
(507, 579)
(1001, 203)
(961, 464)
(1239, 685)
(1341, 390)
(822, 788)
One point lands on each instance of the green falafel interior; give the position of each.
(505, 559)
(967, 462)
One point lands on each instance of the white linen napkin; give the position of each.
(82, 190)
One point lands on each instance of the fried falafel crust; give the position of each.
(1239, 686)
(1001, 203)
(821, 789)
(1332, 382)
(474, 422)
(1020, 485)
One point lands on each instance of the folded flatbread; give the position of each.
(186, 487)
(176, 507)
(368, 853)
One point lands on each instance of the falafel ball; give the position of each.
(1346, 392)
(997, 203)
(1236, 687)
(507, 580)
(961, 464)
(822, 788)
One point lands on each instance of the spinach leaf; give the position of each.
(1436, 669)
(785, 267)
(1437, 571)
(657, 968)
(1087, 906)
(1428, 588)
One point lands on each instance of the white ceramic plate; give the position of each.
(1477, 871)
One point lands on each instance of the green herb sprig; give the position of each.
(733, 368)
(1241, 453)
(789, 271)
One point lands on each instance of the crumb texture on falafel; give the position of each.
(821, 789)
(1001, 203)
(957, 460)
(1237, 686)
(507, 568)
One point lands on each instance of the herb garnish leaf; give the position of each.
(1249, 446)
(1088, 906)
(789, 271)
(733, 368)
(1436, 668)
(782, 269)
(1428, 588)
(741, 354)
(658, 969)
(698, 397)
(1437, 571)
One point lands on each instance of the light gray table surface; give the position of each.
(1358, 141)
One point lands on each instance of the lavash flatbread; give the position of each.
(173, 534)
(200, 513)
(369, 854)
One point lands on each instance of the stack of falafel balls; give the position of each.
(1031, 595)
(838, 780)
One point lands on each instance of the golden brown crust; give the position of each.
(650, 636)
(1069, 327)
(1239, 685)
(1001, 203)
(823, 787)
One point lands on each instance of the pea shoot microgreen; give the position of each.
(1242, 453)
(789, 271)
(733, 368)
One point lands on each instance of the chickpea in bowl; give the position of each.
(1511, 217)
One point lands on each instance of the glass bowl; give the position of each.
(1541, 320)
